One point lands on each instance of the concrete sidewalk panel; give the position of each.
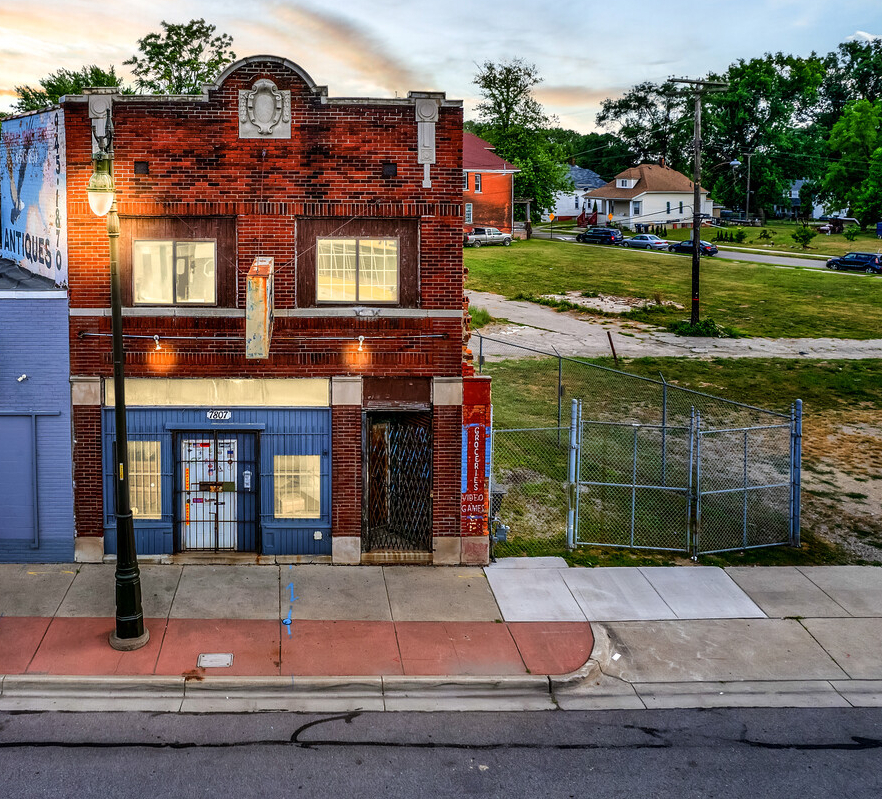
(719, 650)
(860, 693)
(340, 593)
(701, 592)
(420, 593)
(553, 648)
(34, 589)
(855, 644)
(533, 595)
(783, 591)
(290, 694)
(858, 589)
(789, 693)
(93, 592)
(19, 638)
(600, 693)
(521, 692)
(30, 692)
(254, 644)
(431, 648)
(529, 563)
(227, 592)
(616, 594)
(340, 648)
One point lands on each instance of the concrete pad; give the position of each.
(790, 693)
(553, 647)
(701, 592)
(855, 644)
(600, 693)
(93, 694)
(254, 645)
(460, 648)
(417, 593)
(858, 589)
(716, 651)
(520, 692)
(533, 595)
(80, 646)
(19, 638)
(227, 592)
(529, 563)
(860, 693)
(335, 592)
(93, 591)
(783, 591)
(340, 648)
(292, 694)
(34, 589)
(616, 594)
(346, 549)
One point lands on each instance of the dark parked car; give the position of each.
(600, 235)
(869, 262)
(686, 247)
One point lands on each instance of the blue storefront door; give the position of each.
(17, 478)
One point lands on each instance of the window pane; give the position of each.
(468, 213)
(145, 479)
(194, 272)
(378, 270)
(298, 483)
(152, 272)
(335, 278)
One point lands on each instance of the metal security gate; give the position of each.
(216, 491)
(397, 509)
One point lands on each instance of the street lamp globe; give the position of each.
(100, 188)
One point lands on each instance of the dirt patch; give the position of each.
(608, 303)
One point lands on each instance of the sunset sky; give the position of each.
(585, 50)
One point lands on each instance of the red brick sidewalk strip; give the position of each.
(78, 646)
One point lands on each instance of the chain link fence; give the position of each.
(587, 455)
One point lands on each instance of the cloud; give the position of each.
(350, 42)
(863, 36)
(573, 96)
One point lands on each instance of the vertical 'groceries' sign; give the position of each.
(33, 196)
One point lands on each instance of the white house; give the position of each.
(650, 194)
(569, 204)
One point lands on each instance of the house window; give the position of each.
(681, 206)
(167, 272)
(576, 201)
(357, 270)
(623, 184)
(477, 183)
(468, 213)
(465, 180)
(667, 208)
(635, 208)
(297, 486)
(145, 479)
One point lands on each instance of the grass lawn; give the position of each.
(758, 300)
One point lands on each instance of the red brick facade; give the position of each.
(330, 171)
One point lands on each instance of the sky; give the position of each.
(585, 50)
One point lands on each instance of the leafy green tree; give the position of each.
(181, 59)
(853, 176)
(803, 236)
(853, 72)
(65, 81)
(604, 153)
(512, 120)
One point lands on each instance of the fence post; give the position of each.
(480, 353)
(691, 499)
(796, 485)
(746, 483)
(664, 429)
(572, 477)
(634, 484)
(559, 391)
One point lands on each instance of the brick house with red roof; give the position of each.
(487, 185)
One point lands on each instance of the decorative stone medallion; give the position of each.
(264, 112)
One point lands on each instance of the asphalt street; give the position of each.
(664, 753)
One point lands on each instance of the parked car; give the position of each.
(869, 262)
(601, 235)
(686, 247)
(646, 241)
(486, 235)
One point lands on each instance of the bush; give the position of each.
(803, 236)
(707, 328)
(765, 234)
(740, 236)
(851, 233)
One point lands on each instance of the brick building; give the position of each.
(326, 232)
(487, 185)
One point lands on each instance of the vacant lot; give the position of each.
(755, 299)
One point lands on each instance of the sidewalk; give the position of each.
(520, 634)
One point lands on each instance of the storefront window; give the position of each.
(298, 483)
(173, 272)
(357, 270)
(145, 479)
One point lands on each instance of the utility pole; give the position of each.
(702, 87)
(747, 196)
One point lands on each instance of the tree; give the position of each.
(65, 81)
(803, 236)
(513, 121)
(604, 153)
(854, 72)
(181, 59)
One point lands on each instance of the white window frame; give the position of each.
(174, 243)
(146, 497)
(288, 466)
(636, 208)
(468, 214)
(357, 300)
(465, 180)
(478, 182)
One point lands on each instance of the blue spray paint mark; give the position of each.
(291, 586)
(287, 622)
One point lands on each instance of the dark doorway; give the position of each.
(397, 511)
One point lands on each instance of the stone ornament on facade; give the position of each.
(426, 117)
(264, 112)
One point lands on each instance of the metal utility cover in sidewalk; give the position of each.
(215, 660)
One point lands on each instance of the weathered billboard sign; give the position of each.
(33, 194)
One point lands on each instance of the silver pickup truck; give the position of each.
(486, 235)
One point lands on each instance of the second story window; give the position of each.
(477, 183)
(465, 180)
(357, 270)
(169, 272)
